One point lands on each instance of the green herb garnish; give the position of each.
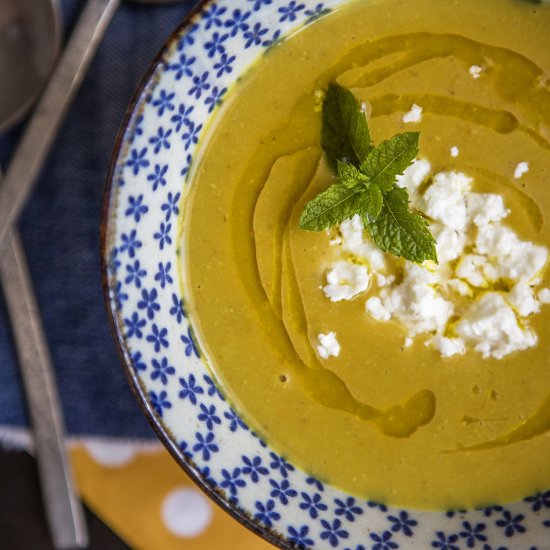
(365, 183)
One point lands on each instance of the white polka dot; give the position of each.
(112, 455)
(186, 513)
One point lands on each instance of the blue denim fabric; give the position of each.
(60, 230)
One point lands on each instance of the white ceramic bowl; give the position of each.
(180, 94)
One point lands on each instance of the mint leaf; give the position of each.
(331, 207)
(349, 176)
(370, 203)
(400, 231)
(389, 159)
(366, 181)
(345, 133)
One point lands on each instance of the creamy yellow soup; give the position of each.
(399, 425)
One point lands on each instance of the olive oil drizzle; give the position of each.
(535, 425)
(514, 78)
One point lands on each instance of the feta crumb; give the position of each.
(328, 345)
(426, 312)
(384, 280)
(414, 175)
(511, 258)
(414, 115)
(376, 309)
(460, 287)
(354, 243)
(497, 240)
(522, 298)
(472, 269)
(444, 200)
(416, 303)
(448, 346)
(484, 208)
(346, 280)
(455, 151)
(544, 295)
(521, 169)
(475, 71)
(420, 273)
(335, 241)
(449, 243)
(490, 324)
(408, 342)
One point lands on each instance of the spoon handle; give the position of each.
(33, 149)
(63, 509)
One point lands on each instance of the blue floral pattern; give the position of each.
(143, 255)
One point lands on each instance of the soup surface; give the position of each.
(396, 424)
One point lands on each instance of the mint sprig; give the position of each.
(345, 133)
(365, 181)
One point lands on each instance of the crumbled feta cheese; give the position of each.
(384, 280)
(455, 151)
(414, 175)
(420, 308)
(544, 295)
(328, 345)
(521, 169)
(354, 243)
(522, 298)
(475, 251)
(460, 287)
(475, 71)
(472, 268)
(444, 200)
(491, 326)
(484, 208)
(496, 241)
(335, 241)
(416, 303)
(408, 342)
(416, 273)
(346, 280)
(414, 115)
(449, 243)
(511, 258)
(376, 309)
(448, 346)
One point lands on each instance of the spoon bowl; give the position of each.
(30, 38)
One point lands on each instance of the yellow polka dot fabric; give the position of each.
(146, 498)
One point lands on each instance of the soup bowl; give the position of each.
(142, 253)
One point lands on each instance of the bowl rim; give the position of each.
(271, 536)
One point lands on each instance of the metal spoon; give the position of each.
(63, 509)
(66, 518)
(35, 145)
(30, 37)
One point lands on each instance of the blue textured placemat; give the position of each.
(60, 229)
